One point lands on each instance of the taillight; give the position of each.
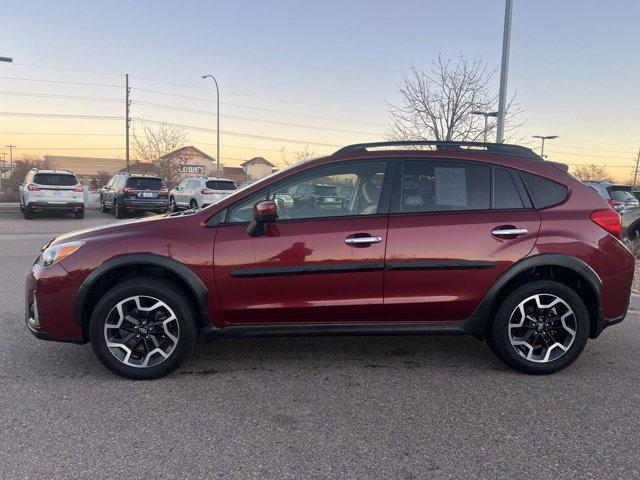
(127, 190)
(78, 188)
(33, 188)
(206, 191)
(609, 220)
(613, 203)
(164, 191)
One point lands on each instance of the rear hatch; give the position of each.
(621, 198)
(218, 189)
(56, 187)
(145, 189)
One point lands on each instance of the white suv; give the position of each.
(197, 192)
(55, 190)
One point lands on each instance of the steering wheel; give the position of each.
(283, 211)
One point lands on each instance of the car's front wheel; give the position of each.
(143, 328)
(540, 327)
(172, 205)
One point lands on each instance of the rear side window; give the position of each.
(543, 192)
(221, 185)
(505, 192)
(57, 179)
(431, 186)
(145, 183)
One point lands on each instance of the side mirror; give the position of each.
(263, 212)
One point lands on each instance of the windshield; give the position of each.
(145, 183)
(327, 190)
(221, 185)
(57, 179)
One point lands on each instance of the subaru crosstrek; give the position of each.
(482, 239)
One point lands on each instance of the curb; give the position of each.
(634, 302)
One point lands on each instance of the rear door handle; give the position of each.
(510, 232)
(362, 240)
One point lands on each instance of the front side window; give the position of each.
(435, 186)
(316, 194)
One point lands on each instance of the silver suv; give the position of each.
(197, 192)
(55, 190)
(622, 201)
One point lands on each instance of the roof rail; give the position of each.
(497, 148)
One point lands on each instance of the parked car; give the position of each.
(51, 190)
(197, 192)
(134, 193)
(245, 184)
(309, 195)
(622, 201)
(482, 239)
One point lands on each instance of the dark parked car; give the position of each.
(134, 193)
(622, 201)
(309, 195)
(482, 239)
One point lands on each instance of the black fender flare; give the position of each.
(482, 313)
(195, 283)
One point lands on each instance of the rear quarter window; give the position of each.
(57, 179)
(543, 192)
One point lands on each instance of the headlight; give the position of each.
(53, 254)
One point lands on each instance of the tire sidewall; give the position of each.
(498, 337)
(163, 290)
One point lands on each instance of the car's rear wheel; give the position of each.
(541, 327)
(172, 205)
(193, 204)
(118, 211)
(104, 206)
(28, 214)
(143, 328)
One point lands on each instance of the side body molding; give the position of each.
(195, 283)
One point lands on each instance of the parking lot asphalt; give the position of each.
(351, 407)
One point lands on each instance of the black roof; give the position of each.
(452, 146)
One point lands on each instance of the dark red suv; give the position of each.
(434, 237)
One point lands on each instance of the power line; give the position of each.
(59, 115)
(65, 97)
(69, 69)
(584, 154)
(62, 82)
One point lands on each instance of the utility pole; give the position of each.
(127, 119)
(635, 174)
(218, 123)
(504, 70)
(4, 161)
(10, 147)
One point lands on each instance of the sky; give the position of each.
(316, 74)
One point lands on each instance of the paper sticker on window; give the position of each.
(451, 186)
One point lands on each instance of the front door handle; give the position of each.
(362, 240)
(509, 232)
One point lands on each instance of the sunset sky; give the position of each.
(317, 73)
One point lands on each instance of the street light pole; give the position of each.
(543, 138)
(4, 159)
(504, 70)
(486, 116)
(218, 123)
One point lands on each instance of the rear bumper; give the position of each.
(146, 205)
(66, 206)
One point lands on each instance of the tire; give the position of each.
(545, 325)
(117, 210)
(193, 204)
(103, 207)
(27, 214)
(172, 205)
(79, 215)
(149, 290)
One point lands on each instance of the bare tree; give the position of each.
(437, 105)
(591, 173)
(298, 155)
(151, 143)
